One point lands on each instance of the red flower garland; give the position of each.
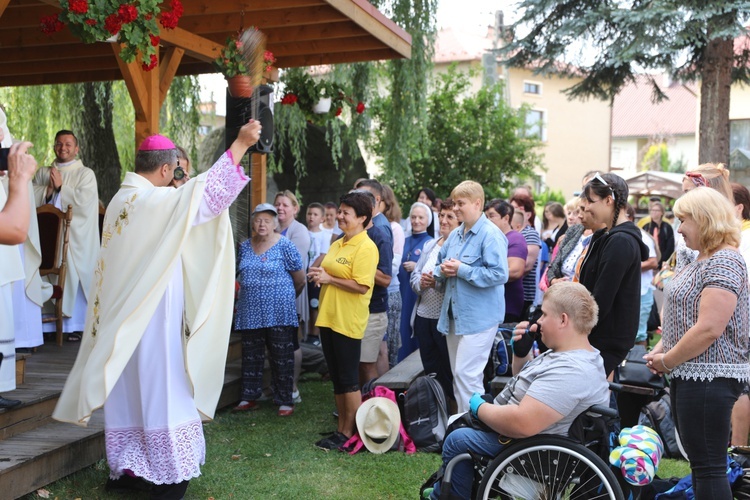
(128, 13)
(289, 99)
(113, 24)
(169, 19)
(78, 6)
(51, 24)
(149, 67)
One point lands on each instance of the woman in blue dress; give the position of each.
(420, 216)
(271, 275)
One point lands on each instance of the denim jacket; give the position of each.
(476, 296)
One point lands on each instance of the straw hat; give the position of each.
(378, 423)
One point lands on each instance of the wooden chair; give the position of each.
(54, 234)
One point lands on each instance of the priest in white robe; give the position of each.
(68, 182)
(30, 293)
(157, 328)
(15, 214)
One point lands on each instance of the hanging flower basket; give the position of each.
(231, 61)
(134, 23)
(322, 106)
(240, 86)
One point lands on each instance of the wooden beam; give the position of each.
(194, 45)
(263, 20)
(258, 176)
(26, 16)
(313, 32)
(366, 15)
(143, 87)
(3, 5)
(58, 78)
(60, 52)
(342, 57)
(103, 61)
(167, 70)
(203, 7)
(355, 44)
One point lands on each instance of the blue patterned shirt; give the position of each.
(267, 295)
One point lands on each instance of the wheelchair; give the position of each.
(550, 466)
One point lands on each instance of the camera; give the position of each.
(4, 158)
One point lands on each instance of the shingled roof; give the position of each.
(634, 114)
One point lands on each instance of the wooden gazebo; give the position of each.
(300, 33)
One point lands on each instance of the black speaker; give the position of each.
(258, 107)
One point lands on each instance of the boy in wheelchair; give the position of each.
(548, 393)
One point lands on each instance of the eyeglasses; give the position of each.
(598, 178)
(697, 179)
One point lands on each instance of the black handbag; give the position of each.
(633, 371)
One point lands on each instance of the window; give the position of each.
(532, 88)
(739, 134)
(535, 124)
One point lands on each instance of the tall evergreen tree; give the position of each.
(609, 41)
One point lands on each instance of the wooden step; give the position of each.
(36, 450)
(38, 457)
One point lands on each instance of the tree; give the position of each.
(608, 41)
(477, 137)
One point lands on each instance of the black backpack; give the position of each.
(426, 413)
(658, 416)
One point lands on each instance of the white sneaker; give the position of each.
(296, 398)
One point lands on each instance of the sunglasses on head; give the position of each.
(697, 179)
(598, 178)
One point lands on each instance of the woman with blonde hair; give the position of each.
(714, 176)
(704, 345)
(287, 207)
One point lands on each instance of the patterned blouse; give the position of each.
(728, 356)
(267, 295)
(430, 300)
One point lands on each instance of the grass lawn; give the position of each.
(259, 455)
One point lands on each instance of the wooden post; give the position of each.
(258, 182)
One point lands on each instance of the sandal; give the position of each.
(74, 337)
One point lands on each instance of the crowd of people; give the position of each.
(368, 285)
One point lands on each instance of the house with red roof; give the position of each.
(639, 124)
(575, 133)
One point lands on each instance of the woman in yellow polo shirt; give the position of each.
(346, 275)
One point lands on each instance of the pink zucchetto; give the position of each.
(156, 143)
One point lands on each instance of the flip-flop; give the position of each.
(74, 337)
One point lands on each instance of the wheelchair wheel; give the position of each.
(548, 467)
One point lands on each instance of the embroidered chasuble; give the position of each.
(157, 327)
(79, 190)
(11, 270)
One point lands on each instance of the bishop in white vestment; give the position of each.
(69, 182)
(158, 322)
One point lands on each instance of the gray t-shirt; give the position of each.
(568, 382)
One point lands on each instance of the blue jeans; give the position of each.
(461, 441)
(703, 412)
(647, 302)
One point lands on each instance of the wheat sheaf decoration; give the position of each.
(253, 43)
